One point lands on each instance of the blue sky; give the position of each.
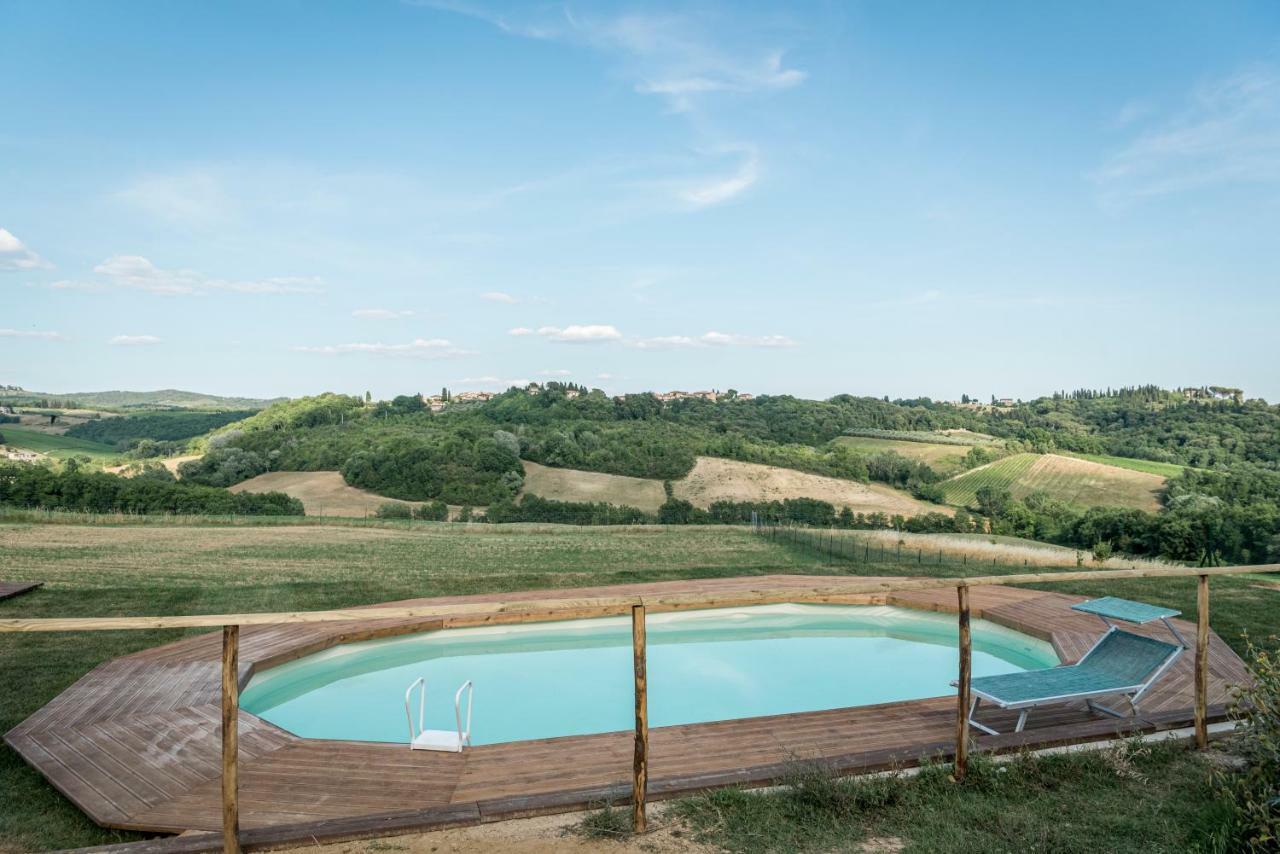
(892, 198)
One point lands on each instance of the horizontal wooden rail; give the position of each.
(607, 605)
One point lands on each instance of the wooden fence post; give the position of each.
(962, 688)
(230, 739)
(640, 762)
(1202, 663)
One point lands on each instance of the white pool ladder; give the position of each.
(438, 739)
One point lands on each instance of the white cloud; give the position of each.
(71, 285)
(604, 376)
(134, 271)
(520, 330)
(499, 296)
(379, 314)
(723, 189)
(134, 340)
(419, 348)
(559, 372)
(14, 255)
(28, 333)
(711, 339)
(191, 198)
(491, 382)
(1227, 133)
(585, 334)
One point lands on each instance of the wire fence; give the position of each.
(850, 547)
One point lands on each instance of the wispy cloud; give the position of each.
(14, 254)
(724, 188)
(687, 59)
(676, 56)
(194, 198)
(135, 271)
(134, 340)
(711, 339)
(558, 372)
(1227, 133)
(30, 333)
(581, 334)
(418, 348)
(499, 296)
(379, 314)
(520, 331)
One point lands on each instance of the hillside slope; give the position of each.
(714, 479)
(322, 493)
(1075, 481)
(575, 485)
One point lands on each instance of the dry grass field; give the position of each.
(325, 493)
(715, 479)
(322, 493)
(1075, 481)
(171, 463)
(574, 485)
(981, 549)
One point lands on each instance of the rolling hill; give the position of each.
(1072, 480)
(161, 399)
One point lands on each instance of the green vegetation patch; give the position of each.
(1134, 798)
(54, 444)
(962, 491)
(160, 426)
(1167, 470)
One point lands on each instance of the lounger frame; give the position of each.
(1131, 693)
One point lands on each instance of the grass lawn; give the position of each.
(1132, 798)
(137, 569)
(54, 444)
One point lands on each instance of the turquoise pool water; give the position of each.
(542, 680)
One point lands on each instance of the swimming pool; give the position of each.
(542, 680)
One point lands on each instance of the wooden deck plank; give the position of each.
(9, 589)
(134, 742)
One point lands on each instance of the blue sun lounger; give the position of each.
(1121, 662)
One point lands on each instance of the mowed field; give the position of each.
(322, 493)
(574, 485)
(325, 493)
(714, 479)
(1069, 479)
(54, 444)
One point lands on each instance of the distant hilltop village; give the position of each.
(1207, 393)
(437, 402)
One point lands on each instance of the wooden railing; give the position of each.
(637, 605)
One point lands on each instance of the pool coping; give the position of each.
(134, 742)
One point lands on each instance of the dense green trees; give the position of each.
(458, 468)
(126, 431)
(96, 492)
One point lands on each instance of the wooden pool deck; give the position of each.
(135, 743)
(9, 589)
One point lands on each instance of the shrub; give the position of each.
(432, 511)
(394, 510)
(1254, 793)
(223, 466)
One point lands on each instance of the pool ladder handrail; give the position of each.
(436, 739)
